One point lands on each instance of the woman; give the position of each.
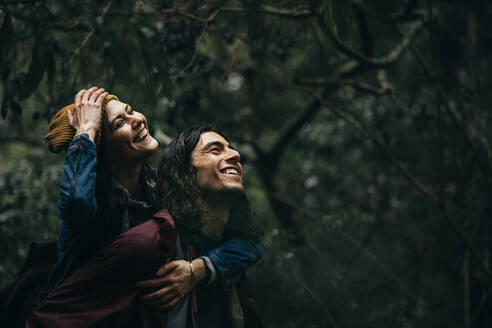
(108, 187)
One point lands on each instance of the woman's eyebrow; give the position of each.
(114, 119)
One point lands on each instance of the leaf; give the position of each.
(16, 108)
(155, 60)
(120, 57)
(4, 107)
(5, 40)
(50, 64)
(43, 15)
(34, 73)
(82, 27)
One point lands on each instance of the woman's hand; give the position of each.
(176, 281)
(86, 116)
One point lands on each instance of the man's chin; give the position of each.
(230, 193)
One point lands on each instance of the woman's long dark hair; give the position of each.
(178, 190)
(109, 199)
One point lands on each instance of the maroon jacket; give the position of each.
(103, 292)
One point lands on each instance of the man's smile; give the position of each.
(230, 171)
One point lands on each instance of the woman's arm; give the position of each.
(233, 258)
(78, 184)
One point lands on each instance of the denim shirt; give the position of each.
(77, 207)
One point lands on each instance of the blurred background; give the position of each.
(362, 127)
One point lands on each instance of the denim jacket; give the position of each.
(77, 207)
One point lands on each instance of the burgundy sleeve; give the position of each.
(103, 293)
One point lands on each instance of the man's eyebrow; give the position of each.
(213, 143)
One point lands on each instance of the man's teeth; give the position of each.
(231, 171)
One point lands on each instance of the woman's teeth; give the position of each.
(141, 135)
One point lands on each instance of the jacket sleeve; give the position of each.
(233, 257)
(77, 198)
(103, 292)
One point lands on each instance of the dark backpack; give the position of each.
(18, 301)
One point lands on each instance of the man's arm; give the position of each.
(177, 278)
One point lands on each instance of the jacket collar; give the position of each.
(163, 214)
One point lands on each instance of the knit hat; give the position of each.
(60, 132)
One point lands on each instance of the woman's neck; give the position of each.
(129, 177)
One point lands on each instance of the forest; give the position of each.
(362, 127)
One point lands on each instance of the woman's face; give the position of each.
(127, 134)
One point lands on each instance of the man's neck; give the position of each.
(215, 219)
(129, 177)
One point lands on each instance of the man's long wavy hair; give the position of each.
(179, 192)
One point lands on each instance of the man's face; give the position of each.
(127, 133)
(217, 164)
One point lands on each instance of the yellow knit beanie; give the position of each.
(60, 132)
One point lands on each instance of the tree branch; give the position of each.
(360, 86)
(385, 148)
(312, 294)
(89, 35)
(268, 161)
(364, 32)
(466, 290)
(412, 178)
(483, 301)
(387, 60)
(303, 11)
(299, 12)
(179, 12)
(281, 144)
(193, 58)
(352, 241)
(485, 165)
(406, 14)
(18, 16)
(308, 11)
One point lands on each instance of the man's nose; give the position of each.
(233, 156)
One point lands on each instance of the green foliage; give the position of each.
(365, 145)
(29, 181)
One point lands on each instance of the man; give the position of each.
(200, 179)
(202, 186)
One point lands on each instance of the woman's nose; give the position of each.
(136, 121)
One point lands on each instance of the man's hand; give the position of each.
(86, 116)
(176, 281)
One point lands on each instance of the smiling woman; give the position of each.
(107, 186)
(128, 134)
